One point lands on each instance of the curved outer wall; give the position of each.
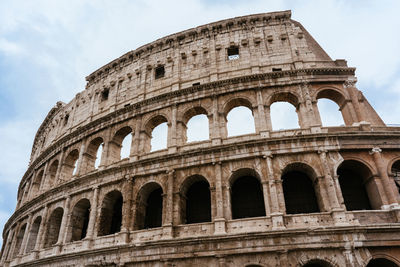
(171, 80)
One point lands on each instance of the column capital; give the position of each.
(350, 82)
(375, 150)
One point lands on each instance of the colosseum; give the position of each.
(310, 196)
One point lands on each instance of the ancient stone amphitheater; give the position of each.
(310, 196)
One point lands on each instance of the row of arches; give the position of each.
(247, 199)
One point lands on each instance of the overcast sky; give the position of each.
(48, 47)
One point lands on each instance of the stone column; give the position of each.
(59, 168)
(267, 111)
(26, 235)
(93, 213)
(44, 178)
(127, 207)
(62, 237)
(349, 85)
(215, 130)
(7, 246)
(261, 124)
(136, 140)
(389, 190)
(14, 241)
(275, 186)
(219, 221)
(168, 221)
(105, 157)
(171, 143)
(80, 163)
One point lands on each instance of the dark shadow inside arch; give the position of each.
(352, 176)
(198, 203)
(247, 197)
(111, 214)
(381, 262)
(149, 207)
(80, 220)
(53, 227)
(20, 237)
(299, 193)
(33, 234)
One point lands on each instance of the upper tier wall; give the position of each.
(266, 42)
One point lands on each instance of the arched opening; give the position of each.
(93, 153)
(381, 262)
(149, 207)
(37, 182)
(18, 243)
(70, 164)
(120, 146)
(196, 200)
(111, 214)
(52, 174)
(298, 189)
(159, 137)
(396, 174)
(247, 197)
(53, 227)
(33, 234)
(352, 177)
(79, 220)
(283, 116)
(197, 128)
(316, 263)
(240, 121)
(330, 113)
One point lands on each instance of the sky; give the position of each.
(48, 47)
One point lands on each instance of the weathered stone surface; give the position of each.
(320, 195)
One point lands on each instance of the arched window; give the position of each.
(240, 121)
(120, 146)
(53, 227)
(381, 262)
(33, 234)
(20, 237)
(70, 164)
(52, 174)
(317, 263)
(352, 176)
(93, 154)
(159, 137)
(396, 174)
(329, 113)
(197, 128)
(283, 116)
(79, 220)
(196, 201)
(247, 198)
(298, 190)
(111, 214)
(37, 182)
(149, 207)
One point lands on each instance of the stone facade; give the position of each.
(311, 196)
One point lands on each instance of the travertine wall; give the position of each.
(278, 61)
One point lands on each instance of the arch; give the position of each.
(157, 129)
(92, 156)
(237, 102)
(79, 220)
(289, 97)
(53, 227)
(33, 235)
(70, 164)
(284, 116)
(328, 113)
(193, 111)
(197, 128)
(20, 237)
(121, 144)
(111, 214)
(247, 198)
(381, 262)
(149, 206)
(37, 182)
(195, 200)
(52, 172)
(298, 188)
(317, 263)
(395, 171)
(240, 121)
(353, 176)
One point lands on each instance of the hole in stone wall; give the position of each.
(247, 198)
(80, 220)
(159, 137)
(198, 203)
(53, 227)
(240, 121)
(276, 69)
(159, 72)
(283, 116)
(329, 113)
(126, 146)
(111, 214)
(33, 234)
(153, 216)
(20, 237)
(197, 128)
(233, 52)
(104, 94)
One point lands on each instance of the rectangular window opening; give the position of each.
(104, 94)
(276, 69)
(159, 72)
(233, 53)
